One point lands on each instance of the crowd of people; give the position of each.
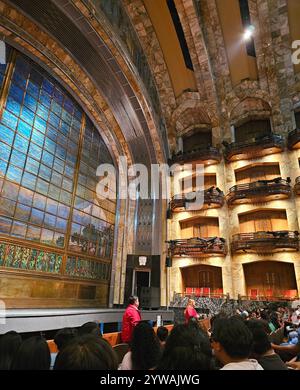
(243, 341)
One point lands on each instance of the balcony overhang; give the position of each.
(207, 156)
(259, 191)
(212, 198)
(293, 140)
(258, 147)
(265, 242)
(198, 247)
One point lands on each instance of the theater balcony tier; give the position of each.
(265, 242)
(198, 247)
(212, 198)
(293, 140)
(259, 191)
(253, 148)
(208, 155)
(297, 186)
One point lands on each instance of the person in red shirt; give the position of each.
(190, 311)
(131, 318)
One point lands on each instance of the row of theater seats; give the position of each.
(113, 338)
(204, 292)
(269, 293)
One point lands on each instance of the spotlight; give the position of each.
(248, 33)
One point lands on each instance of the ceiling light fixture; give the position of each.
(248, 33)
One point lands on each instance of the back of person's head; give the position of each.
(162, 333)
(33, 354)
(132, 299)
(145, 348)
(261, 343)
(87, 352)
(90, 328)
(187, 348)
(10, 342)
(64, 336)
(233, 335)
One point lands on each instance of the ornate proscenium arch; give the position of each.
(65, 29)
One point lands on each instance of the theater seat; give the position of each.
(253, 293)
(189, 290)
(198, 291)
(206, 291)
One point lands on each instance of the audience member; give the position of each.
(231, 341)
(87, 352)
(144, 351)
(90, 328)
(162, 335)
(33, 354)
(61, 339)
(10, 342)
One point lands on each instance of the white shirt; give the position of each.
(247, 364)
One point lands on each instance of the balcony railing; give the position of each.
(259, 191)
(297, 186)
(294, 139)
(207, 155)
(265, 242)
(198, 247)
(256, 147)
(213, 198)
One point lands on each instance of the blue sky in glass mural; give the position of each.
(18, 158)
(40, 124)
(37, 216)
(35, 76)
(45, 99)
(63, 211)
(27, 115)
(3, 167)
(29, 181)
(9, 119)
(35, 151)
(21, 143)
(42, 186)
(30, 102)
(24, 129)
(32, 165)
(47, 158)
(56, 108)
(50, 145)
(42, 111)
(13, 106)
(37, 137)
(5, 224)
(19, 79)
(47, 86)
(52, 206)
(4, 151)
(45, 172)
(7, 134)
(39, 201)
(16, 93)
(13, 173)
(32, 88)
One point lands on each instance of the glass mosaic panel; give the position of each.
(19, 257)
(87, 268)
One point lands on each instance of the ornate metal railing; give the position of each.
(212, 197)
(254, 148)
(198, 247)
(266, 242)
(259, 191)
(207, 154)
(293, 138)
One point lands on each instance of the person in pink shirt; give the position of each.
(131, 318)
(190, 311)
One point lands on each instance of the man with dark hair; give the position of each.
(231, 341)
(131, 318)
(61, 339)
(90, 328)
(261, 347)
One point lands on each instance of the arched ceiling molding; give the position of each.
(103, 29)
(250, 108)
(198, 52)
(265, 56)
(149, 41)
(215, 44)
(190, 113)
(23, 33)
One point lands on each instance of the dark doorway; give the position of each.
(142, 279)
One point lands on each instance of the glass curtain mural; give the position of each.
(49, 154)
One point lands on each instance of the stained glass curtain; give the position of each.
(44, 199)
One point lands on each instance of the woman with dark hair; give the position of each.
(10, 342)
(145, 350)
(88, 352)
(34, 354)
(187, 348)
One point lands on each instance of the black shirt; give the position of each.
(272, 362)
